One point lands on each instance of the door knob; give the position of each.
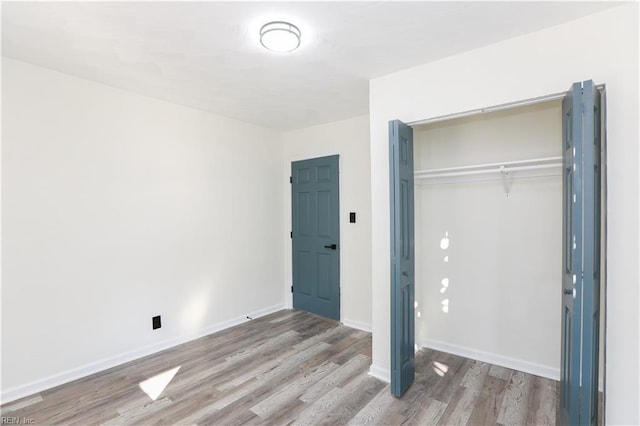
(332, 246)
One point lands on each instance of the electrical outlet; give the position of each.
(156, 321)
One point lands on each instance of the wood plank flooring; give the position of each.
(291, 367)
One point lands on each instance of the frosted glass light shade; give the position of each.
(280, 36)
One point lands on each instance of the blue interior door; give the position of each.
(581, 255)
(402, 257)
(316, 236)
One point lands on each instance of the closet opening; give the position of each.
(489, 245)
(488, 237)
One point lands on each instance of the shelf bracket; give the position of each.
(507, 180)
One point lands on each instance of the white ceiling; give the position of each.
(207, 54)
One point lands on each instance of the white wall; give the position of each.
(350, 140)
(501, 301)
(602, 47)
(117, 207)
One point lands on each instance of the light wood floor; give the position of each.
(292, 367)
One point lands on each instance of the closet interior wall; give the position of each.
(488, 265)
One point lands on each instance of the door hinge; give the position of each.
(291, 289)
(290, 179)
(291, 234)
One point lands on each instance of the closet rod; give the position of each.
(429, 175)
(486, 178)
(504, 163)
(494, 108)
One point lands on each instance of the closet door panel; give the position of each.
(402, 257)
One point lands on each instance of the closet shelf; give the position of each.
(506, 171)
(498, 169)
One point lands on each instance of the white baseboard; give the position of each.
(495, 359)
(357, 325)
(380, 373)
(57, 379)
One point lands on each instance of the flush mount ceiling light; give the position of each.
(280, 36)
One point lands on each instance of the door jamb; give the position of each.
(494, 108)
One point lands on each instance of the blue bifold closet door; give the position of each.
(402, 257)
(580, 290)
(581, 255)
